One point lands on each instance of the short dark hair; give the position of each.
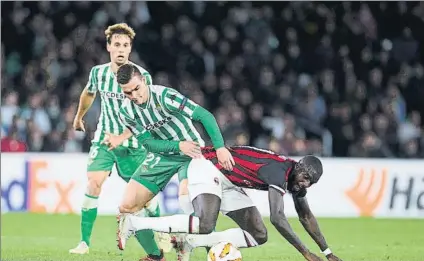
(312, 165)
(126, 72)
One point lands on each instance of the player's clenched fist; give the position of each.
(191, 149)
(225, 158)
(78, 125)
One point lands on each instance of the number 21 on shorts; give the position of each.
(151, 161)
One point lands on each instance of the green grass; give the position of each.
(32, 237)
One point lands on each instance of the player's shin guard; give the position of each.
(146, 238)
(88, 216)
(170, 224)
(238, 237)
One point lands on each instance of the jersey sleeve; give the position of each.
(144, 135)
(274, 175)
(130, 123)
(175, 102)
(91, 85)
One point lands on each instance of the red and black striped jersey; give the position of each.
(255, 168)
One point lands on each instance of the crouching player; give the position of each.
(211, 191)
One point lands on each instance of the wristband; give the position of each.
(326, 252)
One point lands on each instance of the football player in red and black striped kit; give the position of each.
(213, 189)
(265, 170)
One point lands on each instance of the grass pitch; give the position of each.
(33, 237)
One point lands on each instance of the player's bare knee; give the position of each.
(129, 207)
(206, 226)
(94, 186)
(261, 236)
(206, 207)
(95, 182)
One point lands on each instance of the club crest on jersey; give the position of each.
(216, 180)
(247, 183)
(112, 95)
(157, 124)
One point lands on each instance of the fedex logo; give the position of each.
(35, 185)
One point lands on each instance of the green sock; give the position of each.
(88, 216)
(146, 237)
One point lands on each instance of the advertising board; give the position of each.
(55, 183)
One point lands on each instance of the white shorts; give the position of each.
(205, 178)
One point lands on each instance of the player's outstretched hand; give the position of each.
(312, 257)
(225, 158)
(112, 140)
(78, 125)
(191, 149)
(332, 257)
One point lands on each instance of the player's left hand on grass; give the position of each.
(225, 158)
(112, 140)
(332, 257)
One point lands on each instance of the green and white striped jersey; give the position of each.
(103, 80)
(167, 115)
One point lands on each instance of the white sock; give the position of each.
(90, 202)
(169, 224)
(153, 204)
(185, 204)
(238, 237)
(140, 213)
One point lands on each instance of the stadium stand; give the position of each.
(335, 79)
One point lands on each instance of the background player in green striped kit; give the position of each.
(127, 157)
(168, 116)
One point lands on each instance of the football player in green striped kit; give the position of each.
(129, 155)
(168, 116)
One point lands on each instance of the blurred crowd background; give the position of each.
(335, 79)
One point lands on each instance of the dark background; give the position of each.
(332, 79)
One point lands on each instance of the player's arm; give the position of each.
(310, 224)
(86, 100)
(279, 219)
(189, 148)
(274, 175)
(176, 103)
